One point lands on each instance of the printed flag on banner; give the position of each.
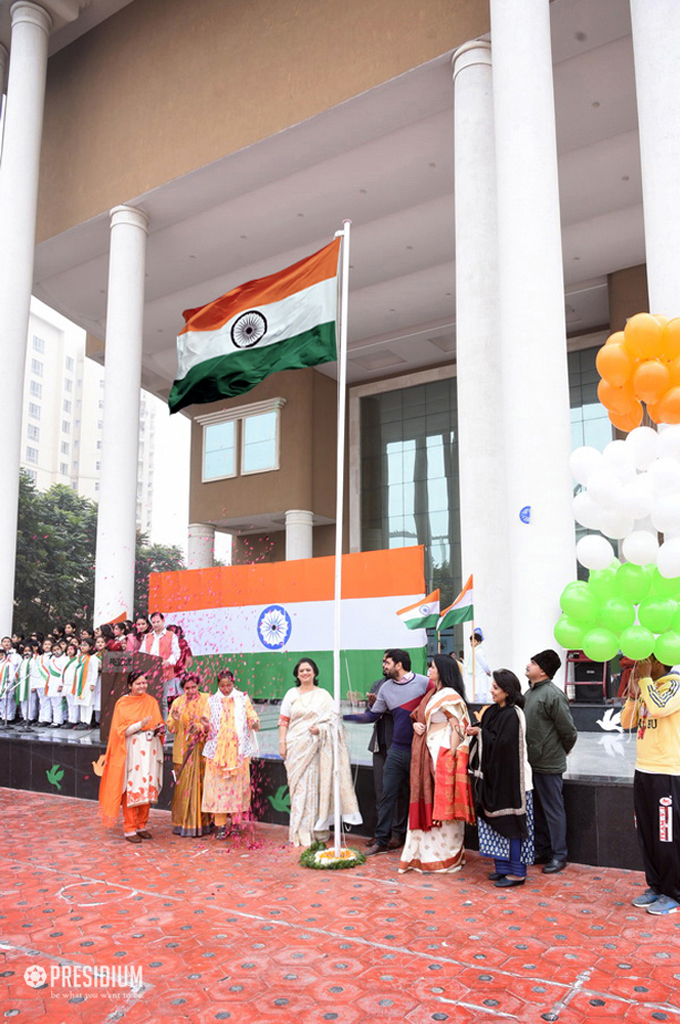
(423, 613)
(462, 609)
(282, 322)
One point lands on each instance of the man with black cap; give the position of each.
(551, 734)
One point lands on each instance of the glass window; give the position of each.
(97, 466)
(36, 367)
(69, 363)
(68, 384)
(219, 450)
(99, 444)
(36, 389)
(66, 426)
(31, 473)
(64, 447)
(31, 455)
(260, 443)
(38, 344)
(33, 432)
(67, 405)
(63, 468)
(34, 411)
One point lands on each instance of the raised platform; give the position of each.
(598, 785)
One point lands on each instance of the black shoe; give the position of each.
(509, 883)
(544, 858)
(494, 876)
(553, 866)
(370, 851)
(396, 842)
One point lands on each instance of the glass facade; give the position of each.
(590, 423)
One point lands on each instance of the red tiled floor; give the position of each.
(242, 933)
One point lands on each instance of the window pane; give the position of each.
(219, 450)
(259, 442)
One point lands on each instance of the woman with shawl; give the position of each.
(504, 801)
(306, 726)
(133, 769)
(189, 720)
(230, 745)
(441, 800)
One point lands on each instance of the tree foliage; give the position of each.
(56, 542)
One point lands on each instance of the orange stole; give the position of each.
(453, 800)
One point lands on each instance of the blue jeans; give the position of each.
(513, 866)
(396, 772)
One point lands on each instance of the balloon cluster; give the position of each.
(630, 480)
(631, 608)
(641, 364)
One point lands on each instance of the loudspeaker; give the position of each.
(588, 675)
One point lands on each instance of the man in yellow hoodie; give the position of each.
(653, 708)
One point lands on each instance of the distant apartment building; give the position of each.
(63, 414)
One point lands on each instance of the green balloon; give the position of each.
(633, 581)
(579, 603)
(675, 622)
(600, 644)
(617, 614)
(569, 634)
(667, 648)
(657, 613)
(637, 642)
(602, 584)
(661, 587)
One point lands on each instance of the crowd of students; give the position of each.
(53, 680)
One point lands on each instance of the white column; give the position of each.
(656, 47)
(299, 534)
(19, 168)
(116, 522)
(481, 448)
(532, 325)
(201, 547)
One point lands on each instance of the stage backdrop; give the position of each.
(259, 619)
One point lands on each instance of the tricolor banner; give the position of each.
(462, 609)
(282, 322)
(260, 619)
(423, 613)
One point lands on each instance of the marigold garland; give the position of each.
(318, 857)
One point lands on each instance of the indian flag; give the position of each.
(282, 322)
(260, 619)
(423, 613)
(462, 609)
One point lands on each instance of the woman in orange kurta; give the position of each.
(133, 769)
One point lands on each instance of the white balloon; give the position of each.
(664, 475)
(669, 441)
(594, 552)
(644, 443)
(637, 497)
(668, 561)
(583, 462)
(618, 456)
(666, 513)
(604, 487)
(640, 547)
(614, 523)
(586, 512)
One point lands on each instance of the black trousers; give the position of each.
(396, 775)
(657, 815)
(550, 817)
(400, 816)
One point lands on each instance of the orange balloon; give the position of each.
(615, 339)
(614, 364)
(618, 400)
(674, 369)
(672, 339)
(653, 412)
(660, 319)
(644, 336)
(651, 381)
(669, 407)
(627, 421)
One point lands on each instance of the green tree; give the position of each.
(152, 558)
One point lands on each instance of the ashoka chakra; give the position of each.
(250, 328)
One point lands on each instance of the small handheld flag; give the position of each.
(423, 613)
(462, 609)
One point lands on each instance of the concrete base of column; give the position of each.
(299, 534)
(201, 546)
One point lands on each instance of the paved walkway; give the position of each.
(242, 933)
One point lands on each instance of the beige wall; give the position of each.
(167, 86)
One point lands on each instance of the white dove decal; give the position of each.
(610, 721)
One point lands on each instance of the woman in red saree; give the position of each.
(441, 800)
(133, 769)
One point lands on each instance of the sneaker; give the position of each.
(663, 905)
(646, 898)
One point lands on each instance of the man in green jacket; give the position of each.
(551, 734)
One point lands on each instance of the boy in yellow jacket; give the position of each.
(653, 707)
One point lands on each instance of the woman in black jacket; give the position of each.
(504, 783)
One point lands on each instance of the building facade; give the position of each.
(511, 174)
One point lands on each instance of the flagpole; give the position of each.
(339, 522)
(474, 684)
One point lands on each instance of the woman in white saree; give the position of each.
(306, 726)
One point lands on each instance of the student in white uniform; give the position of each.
(26, 698)
(69, 672)
(40, 667)
(86, 678)
(55, 687)
(479, 684)
(9, 665)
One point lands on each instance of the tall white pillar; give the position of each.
(299, 534)
(201, 546)
(19, 167)
(656, 48)
(481, 447)
(532, 325)
(116, 521)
